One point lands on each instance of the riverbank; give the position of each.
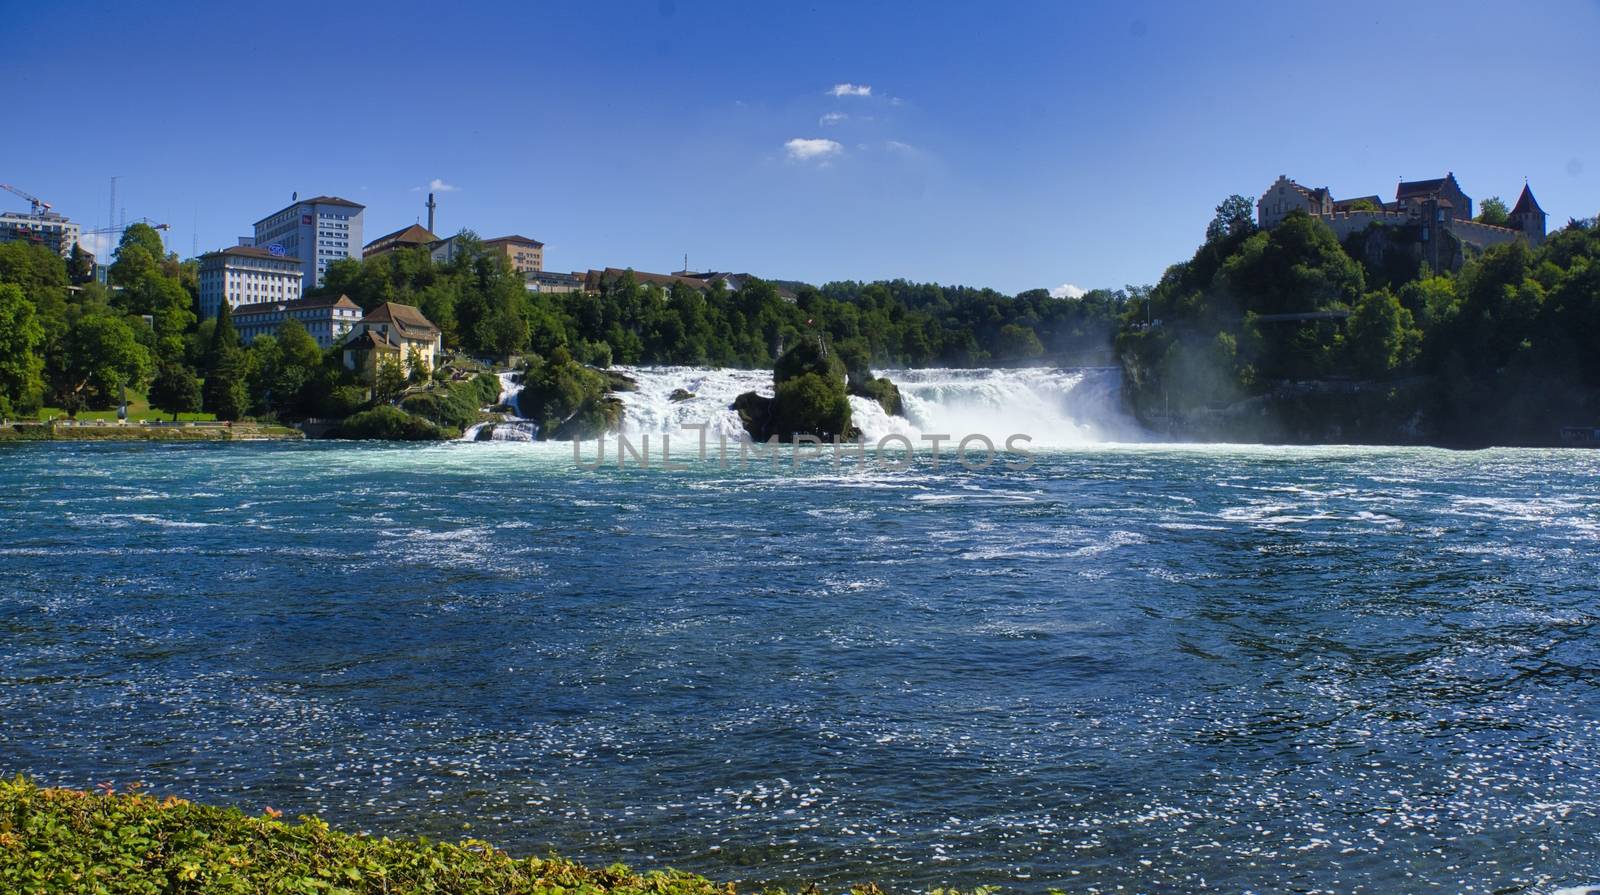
(63, 840)
(63, 430)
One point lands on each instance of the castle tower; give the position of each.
(1528, 217)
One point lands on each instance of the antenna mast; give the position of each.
(111, 211)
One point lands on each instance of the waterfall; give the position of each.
(1053, 406)
(652, 409)
(514, 428)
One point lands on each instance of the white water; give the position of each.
(651, 409)
(515, 428)
(1052, 406)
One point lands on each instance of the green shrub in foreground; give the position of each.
(68, 841)
(108, 843)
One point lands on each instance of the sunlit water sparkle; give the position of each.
(1146, 668)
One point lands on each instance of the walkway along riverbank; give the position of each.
(105, 430)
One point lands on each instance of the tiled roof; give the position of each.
(1410, 188)
(367, 340)
(408, 320)
(1526, 203)
(521, 239)
(256, 252)
(416, 234)
(299, 304)
(331, 200)
(320, 200)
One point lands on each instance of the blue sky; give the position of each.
(1013, 145)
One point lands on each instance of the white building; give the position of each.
(245, 275)
(317, 231)
(328, 320)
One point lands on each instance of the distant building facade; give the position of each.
(411, 237)
(523, 254)
(316, 231)
(390, 332)
(548, 281)
(1439, 211)
(328, 320)
(53, 231)
(446, 250)
(247, 275)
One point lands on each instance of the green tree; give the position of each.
(102, 354)
(1017, 342)
(42, 276)
(80, 265)
(1493, 211)
(1382, 336)
(811, 404)
(1296, 266)
(299, 348)
(388, 381)
(226, 391)
(303, 371)
(139, 252)
(223, 335)
(1235, 215)
(175, 390)
(502, 332)
(168, 305)
(21, 367)
(417, 369)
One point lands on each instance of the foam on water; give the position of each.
(1052, 406)
(651, 409)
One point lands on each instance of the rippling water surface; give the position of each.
(1134, 669)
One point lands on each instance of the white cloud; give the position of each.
(803, 150)
(1068, 290)
(101, 244)
(436, 186)
(898, 146)
(832, 118)
(850, 90)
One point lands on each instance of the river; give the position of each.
(1127, 667)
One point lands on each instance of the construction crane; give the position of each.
(37, 203)
(118, 230)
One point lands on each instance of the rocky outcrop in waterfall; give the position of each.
(568, 401)
(809, 397)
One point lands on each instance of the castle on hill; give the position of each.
(1437, 214)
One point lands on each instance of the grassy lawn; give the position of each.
(139, 410)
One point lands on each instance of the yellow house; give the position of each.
(391, 331)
